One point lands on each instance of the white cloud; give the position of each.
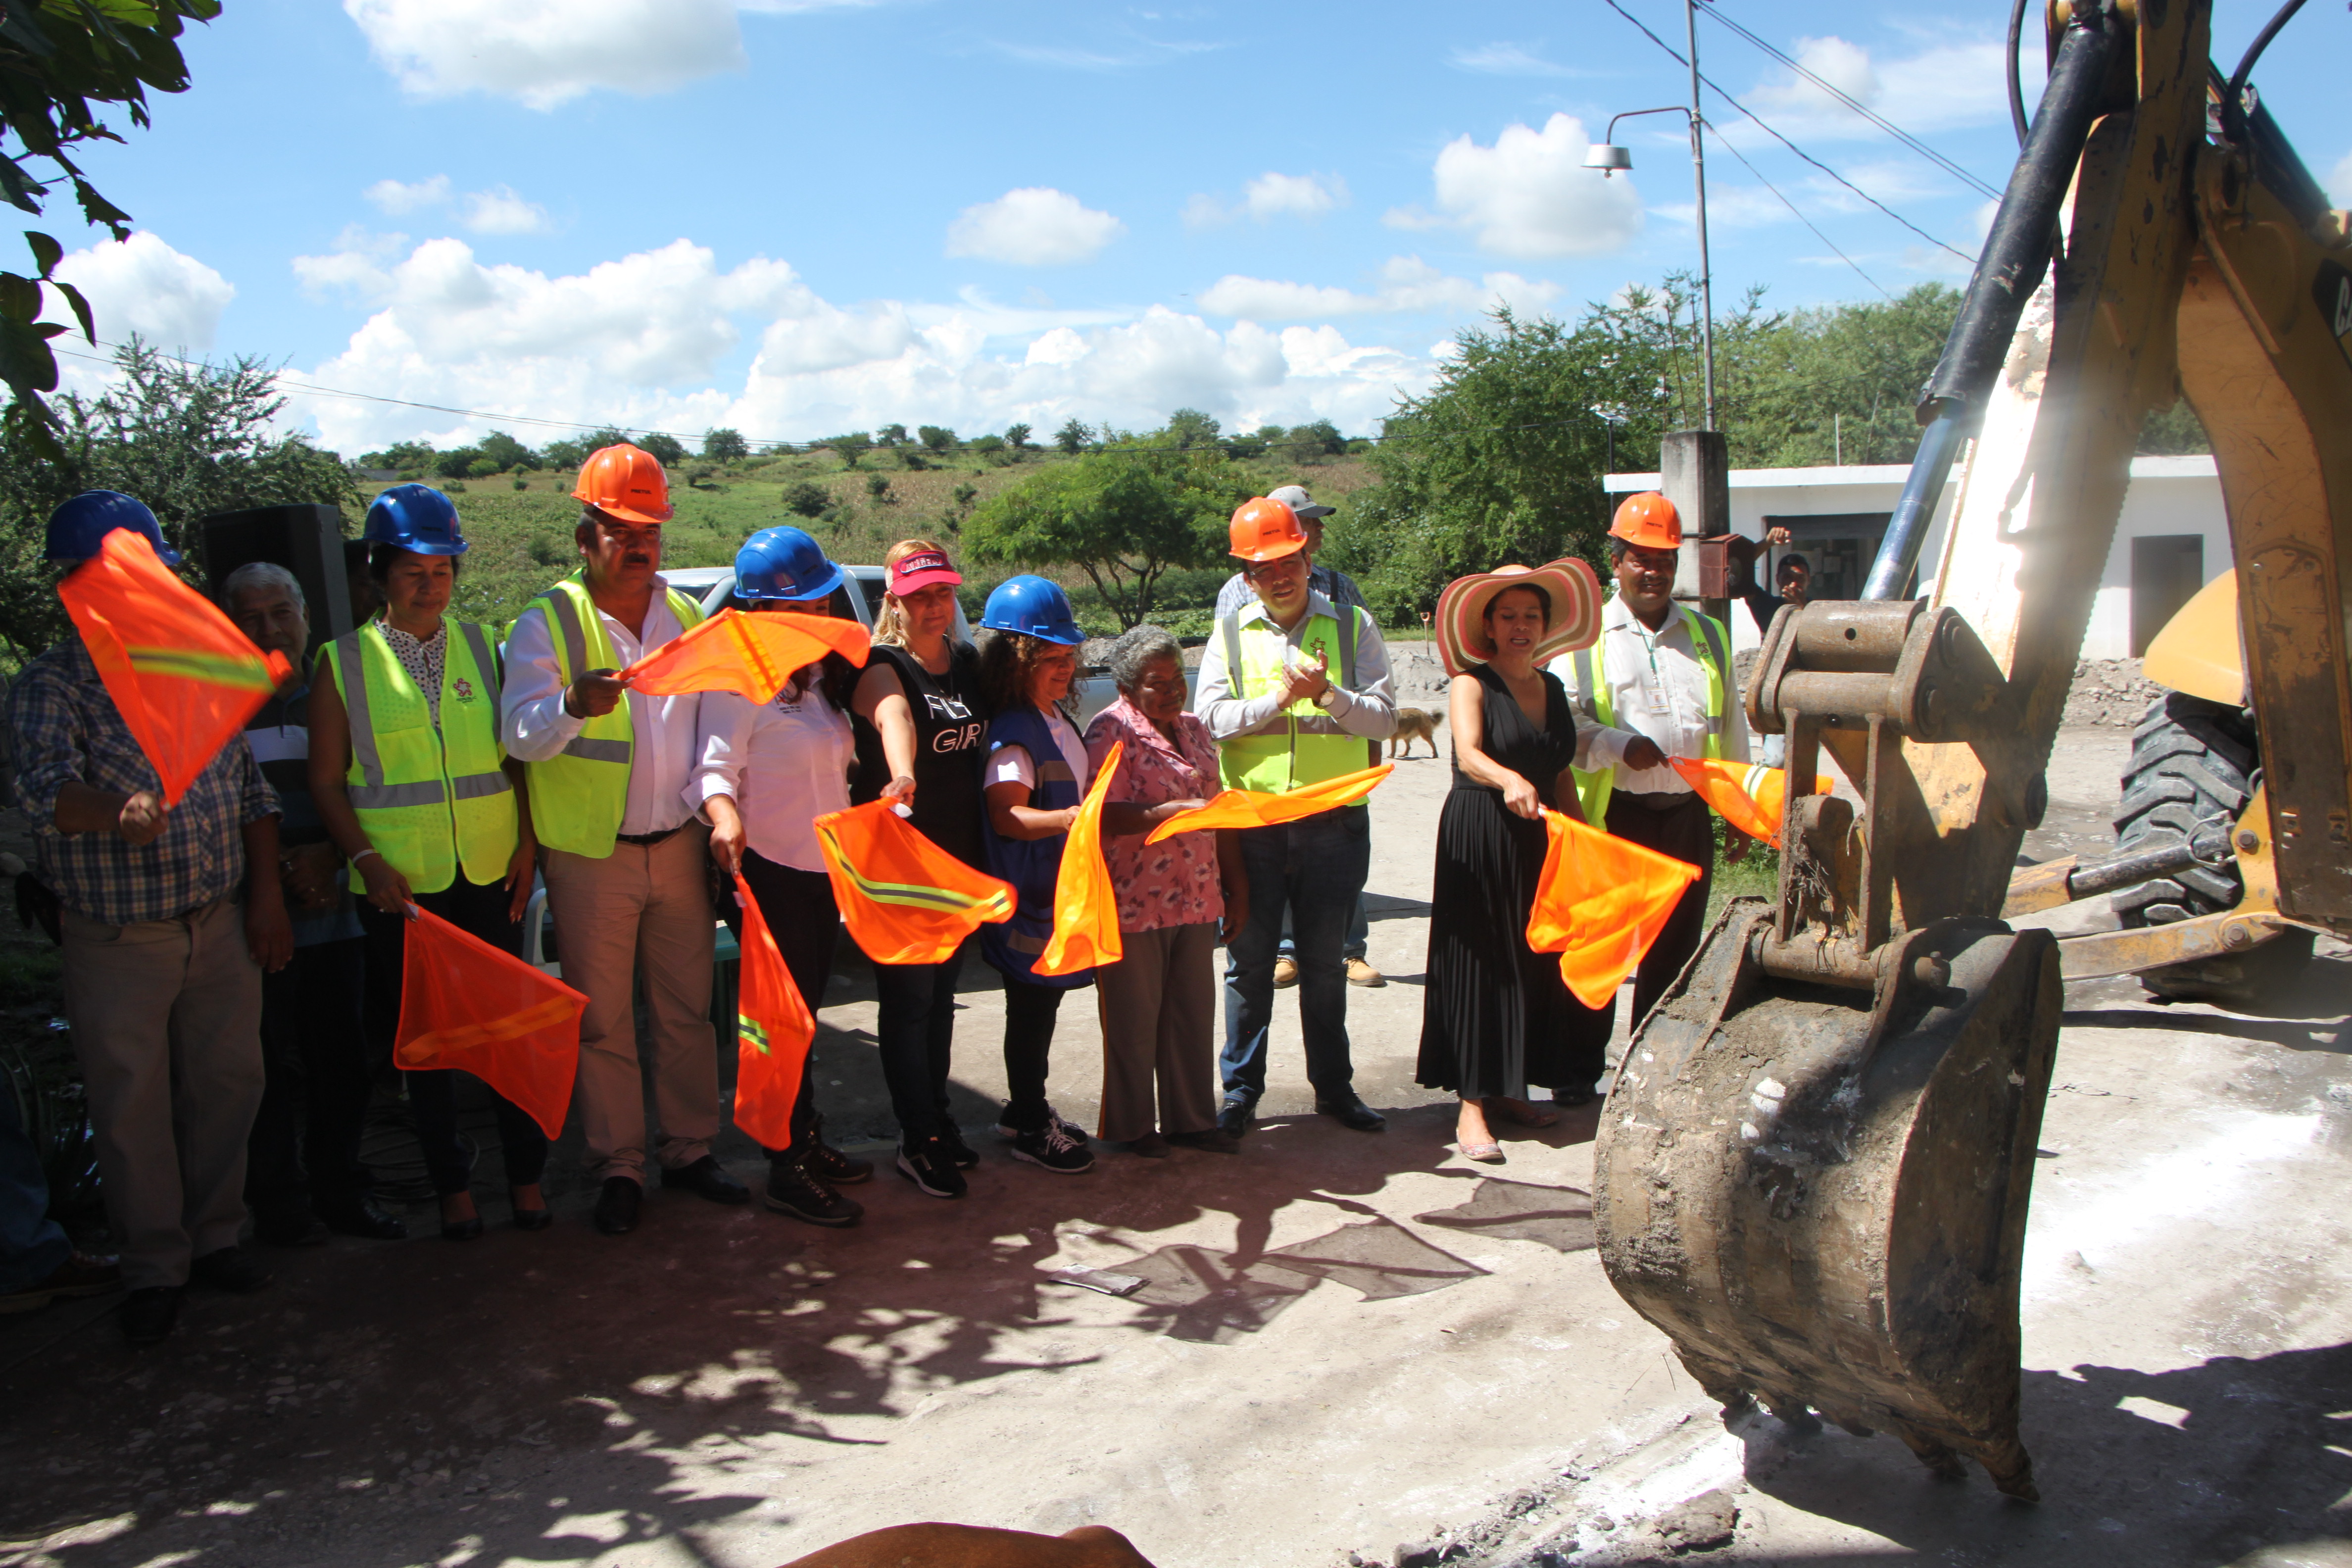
(1507, 59)
(1270, 196)
(1939, 88)
(399, 200)
(500, 210)
(1407, 284)
(546, 52)
(1530, 195)
(142, 285)
(642, 341)
(1033, 226)
(2340, 182)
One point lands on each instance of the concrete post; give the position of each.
(1695, 473)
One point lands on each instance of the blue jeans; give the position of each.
(32, 1247)
(1311, 870)
(1359, 932)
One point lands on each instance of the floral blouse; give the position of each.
(1173, 882)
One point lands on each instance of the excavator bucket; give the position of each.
(1821, 1194)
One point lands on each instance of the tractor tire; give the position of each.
(2194, 762)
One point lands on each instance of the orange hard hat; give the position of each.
(1649, 520)
(1266, 529)
(628, 482)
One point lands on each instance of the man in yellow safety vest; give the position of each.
(1292, 692)
(623, 853)
(1658, 684)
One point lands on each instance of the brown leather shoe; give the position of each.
(81, 1274)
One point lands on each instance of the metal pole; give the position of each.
(1698, 178)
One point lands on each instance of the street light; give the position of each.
(1609, 157)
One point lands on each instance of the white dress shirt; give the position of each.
(783, 762)
(1368, 710)
(1657, 687)
(667, 737)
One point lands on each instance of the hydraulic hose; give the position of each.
(2016, 254)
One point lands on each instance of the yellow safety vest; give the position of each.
(1275, 760)
(431, 797)
(579, 795)
(1593, 789)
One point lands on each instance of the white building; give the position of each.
(2171, 539)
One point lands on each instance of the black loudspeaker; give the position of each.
(308, 541)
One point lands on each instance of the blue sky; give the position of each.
(798, 217)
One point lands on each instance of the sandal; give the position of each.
(1484, 1153)
(1521, 1113)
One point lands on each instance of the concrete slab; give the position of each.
(1345, 1341)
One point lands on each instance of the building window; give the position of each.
(2167, 569)
(1838, 546)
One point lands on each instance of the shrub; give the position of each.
(481, 467)
(807, 499)
(878, 488)
(520, 483)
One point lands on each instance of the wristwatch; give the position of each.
(1323, 699)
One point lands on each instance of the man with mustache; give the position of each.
(623, 854)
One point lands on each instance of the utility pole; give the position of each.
(1698, 180)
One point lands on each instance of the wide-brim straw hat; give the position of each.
(1574, 621)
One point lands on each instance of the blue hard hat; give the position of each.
(1033, 607)
(783, 563)
(416, 517)
(76, 528)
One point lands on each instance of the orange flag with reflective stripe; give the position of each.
(1085, 911)
(180, 674)
(1257, 808)
(905, 900)
(1749, 797)
(1599, 903)
(772, 1031)
(464, 1004)
(754, 654)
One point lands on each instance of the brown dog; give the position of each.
(1415, 725)
(969, 1546)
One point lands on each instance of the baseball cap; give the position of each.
(1295, 498)
(920, 570)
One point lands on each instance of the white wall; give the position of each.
(2168, 495)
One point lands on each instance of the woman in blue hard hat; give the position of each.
(767, 769)
(1035, 776)
(408, 772)
(918, 717)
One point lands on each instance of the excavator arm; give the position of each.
(1814, 1169)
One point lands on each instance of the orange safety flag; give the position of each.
(1747, 797)
(1256, 808)
(754, 654)
(772, 1031)
(1085, 911)
(1599, 903)
(180, 674)
(464, 1004)
(905, 900)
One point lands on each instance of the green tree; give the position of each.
(1017, 437)
(937, 438)
(1189, 427)
(849, 447)
(573, 451)
(458, 462)
(806, 497)
(400, 454)
(59, 61)
(725, 446)
(1073, 437)
(667, 448)
(890, 436)
(1123, 520)
(506, 452)
(188, 439)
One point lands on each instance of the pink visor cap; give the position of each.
(921, 570)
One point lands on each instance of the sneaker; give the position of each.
(951, 1140)
(1053, 1148)
(837, 1169)
(796, 1190)
(1285, 973)
(81, 1274)
(928, 1165)
(1361, 972)
(1070, 1130)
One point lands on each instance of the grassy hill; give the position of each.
(522, 537)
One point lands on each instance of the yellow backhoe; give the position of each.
(1813, 1170)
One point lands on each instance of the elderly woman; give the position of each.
(1159, 1003)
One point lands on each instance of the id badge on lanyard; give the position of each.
(1654, 685)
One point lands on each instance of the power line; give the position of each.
(1802, 218)
(1905, 137)
(1676, 55)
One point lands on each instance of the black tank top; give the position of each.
(949, 721)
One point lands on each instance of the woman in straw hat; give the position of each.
(1497, 1016)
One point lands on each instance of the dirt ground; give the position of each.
(1345, 1341)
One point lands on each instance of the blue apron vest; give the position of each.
(1030, 865)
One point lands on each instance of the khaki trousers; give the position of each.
(642, 909)
(1159, 1024)
(166, 1019)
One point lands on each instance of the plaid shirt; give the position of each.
(67, 730)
